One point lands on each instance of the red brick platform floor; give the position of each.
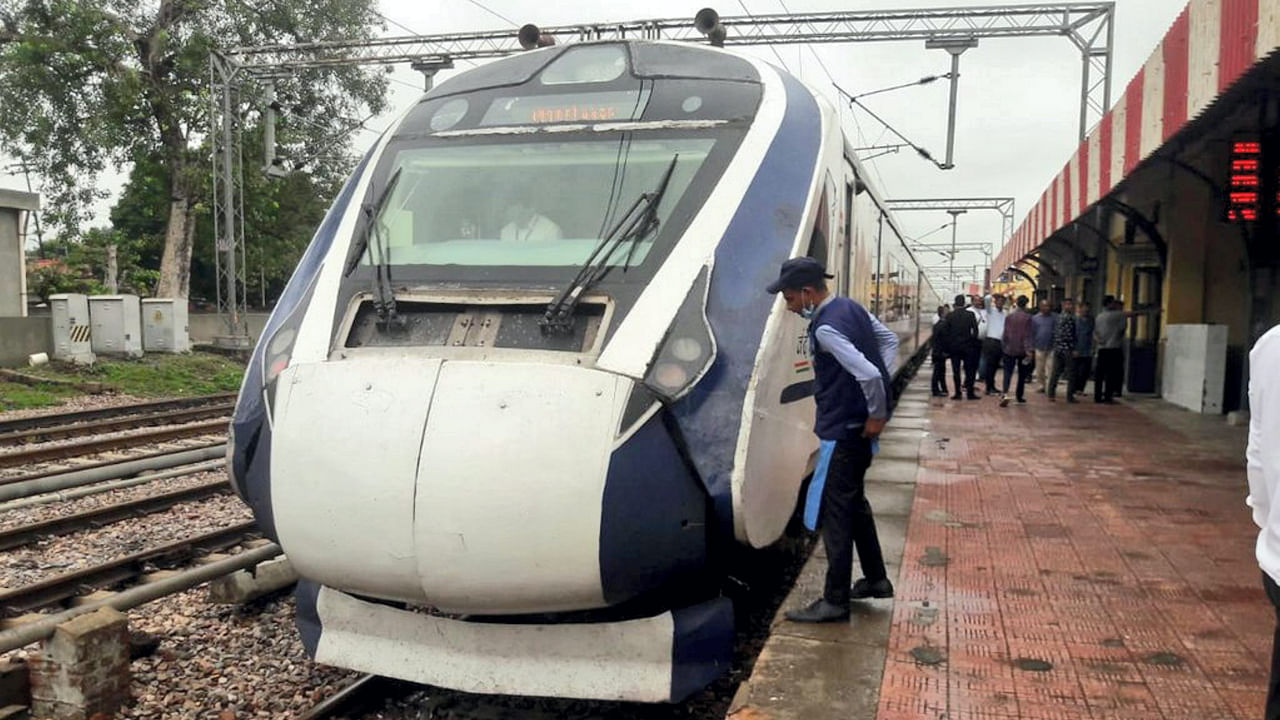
(1077, 561)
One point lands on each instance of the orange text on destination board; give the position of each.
(573, 113)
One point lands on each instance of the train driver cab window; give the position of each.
(529, 204)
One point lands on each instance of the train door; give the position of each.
(846, 255)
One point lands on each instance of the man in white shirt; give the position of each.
(528, 225)
(1263, 462)
(993, 341)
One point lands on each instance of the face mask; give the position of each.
(807, 312)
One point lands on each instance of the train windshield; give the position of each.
(537, 203)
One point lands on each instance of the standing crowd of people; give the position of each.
(981, 338)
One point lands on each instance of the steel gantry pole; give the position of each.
(955, 214)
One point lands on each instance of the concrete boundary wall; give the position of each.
(205, 326)
(23, 336)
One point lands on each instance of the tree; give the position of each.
(89, 83)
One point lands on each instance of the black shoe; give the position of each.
(972, 396)
(956, 397)
(1022, 400)
(819, 611)
(1072, 399)
(867, 589)
(939, 394)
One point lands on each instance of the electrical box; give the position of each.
(116, 324)
(71, 330)
(164, 325)
(1195, 367)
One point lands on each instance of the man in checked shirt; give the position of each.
(1064, 350)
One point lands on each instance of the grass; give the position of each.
(186, 375)
(16, 396)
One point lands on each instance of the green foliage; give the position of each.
(90, 84)
(154, 375)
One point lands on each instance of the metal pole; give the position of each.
(1084, 92)
(228, 211)
(951, 262)
(89, 476)
(1106, 81)
(951, 111)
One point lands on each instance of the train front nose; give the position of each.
(482, 488)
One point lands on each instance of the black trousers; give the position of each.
(992, 350)
(939, 382)
(1024, 373)
(1273, 687)
(847, 520)
(1083, 369)
(1062, 365)
(967, 359)
(1110, 373)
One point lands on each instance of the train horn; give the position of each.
(707, 22)
(530, 37)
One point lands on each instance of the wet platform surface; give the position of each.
(1058, 562)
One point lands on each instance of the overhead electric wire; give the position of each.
(771, 47)
(493, 12)
(919, 150)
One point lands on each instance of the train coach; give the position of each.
(525, 390)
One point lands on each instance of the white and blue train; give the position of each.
(526, 389)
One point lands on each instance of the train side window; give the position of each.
(818, 239)
(818, 246)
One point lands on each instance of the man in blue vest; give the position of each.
(852, 353)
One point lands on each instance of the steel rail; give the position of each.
(98, 427)
(59, 588)
(89, 447)
(105, 464)
(27, 633)
(36, 421)
(367, 692)
(64, 525)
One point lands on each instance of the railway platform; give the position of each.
(1051, 562)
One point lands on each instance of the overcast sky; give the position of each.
(1018, 111)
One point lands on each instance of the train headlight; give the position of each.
(689, 348)
(670, 377)
(278, 353)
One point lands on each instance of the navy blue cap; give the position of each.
(797, 273)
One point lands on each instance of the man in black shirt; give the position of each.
(961, 332)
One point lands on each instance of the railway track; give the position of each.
(45, 452)
(58, 589)
(115, 424)
(99, 464)
(35, 422)
(107, 514)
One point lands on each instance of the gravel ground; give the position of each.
(72, 404)
(223, 662)
(62, 508)
(25, 565)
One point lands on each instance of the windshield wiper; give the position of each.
(370, 211)
(384, 299)
(636, 224)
